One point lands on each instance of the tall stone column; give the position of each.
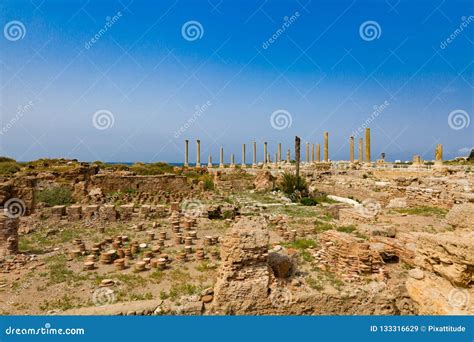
(307, 152)
(318, 153)
(279, 153)
(198, 153)
(232, 160)
(254, 163)
(439, 154)
(221, 162)
(297, 156)
(367, 145)
(326, 147)
(312, 153)
(351, 148)
(417, 161)
(244, 165)
(265, 153)
(209, 163)
(186, 153)
(288, 156)
(361, 148)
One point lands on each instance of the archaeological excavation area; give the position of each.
(301, 235)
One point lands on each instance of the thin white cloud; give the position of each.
(465, 150)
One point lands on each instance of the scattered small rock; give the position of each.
(416, 273)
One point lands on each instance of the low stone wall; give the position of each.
(106, 212)
(113, 183)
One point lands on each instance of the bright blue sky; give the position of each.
(151, 79)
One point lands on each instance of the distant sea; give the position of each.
(174, 164)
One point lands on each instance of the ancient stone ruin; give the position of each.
(362, 237)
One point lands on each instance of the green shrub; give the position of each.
(56, 195)
(346, 229)
(424, 211)
(8, 168)
(308, 201)
(7, 160)
(301, 244)
(293, 186)
(316, 284)
(208, 183)
(321, 226)
(152, 168)
(118, 167)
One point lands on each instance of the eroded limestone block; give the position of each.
(57, 212)
(126, 212)
(145, 211)
(91, 212)
(447, 254)
(461, 216)
(109, 213)
(74, 212)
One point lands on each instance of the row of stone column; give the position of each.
(310, 157)
(266, 159)
(361, 148)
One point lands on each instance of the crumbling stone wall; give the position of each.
(349, 255)
(8, 235)
(112, 182)
(245, 276)
(232, 180)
